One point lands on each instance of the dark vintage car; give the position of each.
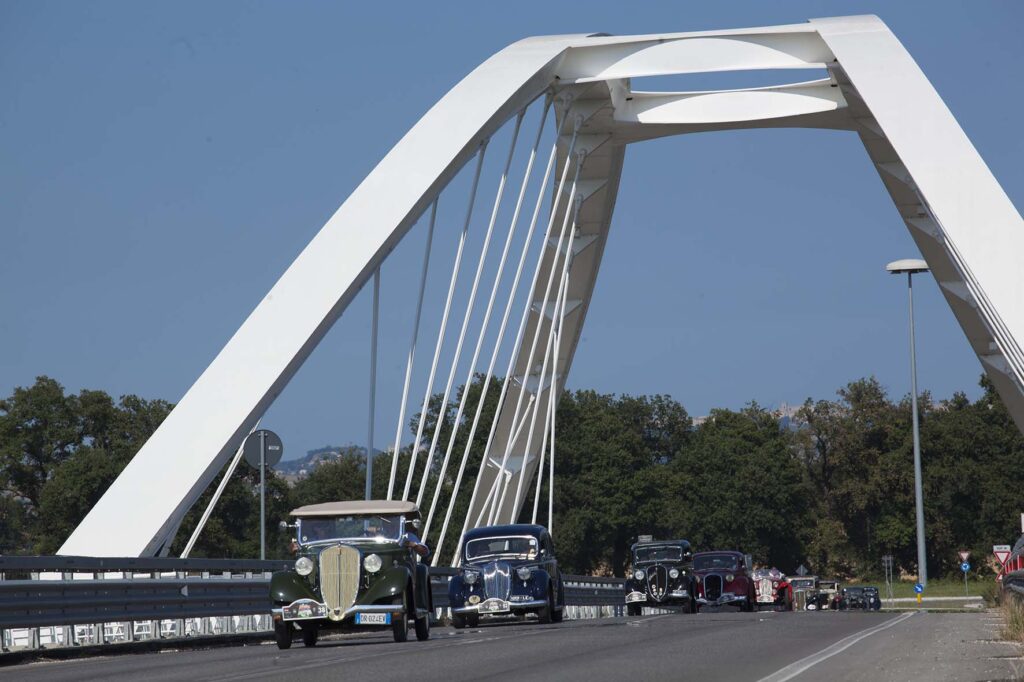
(828, 596)
(355, 568)
(805, 592)
(866, 598)
(662, 575)
(724, 579)
(507, 571)
(773, 589)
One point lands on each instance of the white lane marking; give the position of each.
(794, 669)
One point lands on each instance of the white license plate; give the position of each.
(493, 606)
(373, 619)
(635, 597)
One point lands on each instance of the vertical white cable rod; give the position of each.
(522, 323)
(555, 396)
(462, 338)
(483, 325)
(544, 302)
(483, 507)
(444, 325)
(566, 260)
(540, 465)
(373, 383)
(412, 350)
(482, 337)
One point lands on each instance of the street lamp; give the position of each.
(910, 267)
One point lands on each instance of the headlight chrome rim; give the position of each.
(673, 573)
(524, 573)
(303, 565)
(372, 563)
(729, 578)
(470, 577)
(638, 574)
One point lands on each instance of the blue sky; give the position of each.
(162, 164)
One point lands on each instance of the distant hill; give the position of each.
(302, 466)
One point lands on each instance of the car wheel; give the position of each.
(309, 635)
(283, 634)
(473, 620)
(687, 606)
(633, 609)
(544, 612)
(400, 627)
(458, 621)
(423, 627)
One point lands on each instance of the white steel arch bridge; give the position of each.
(579, 88)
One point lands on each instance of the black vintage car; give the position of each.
(662, 575)
(356, 567)
(866, 598)
(507, 571)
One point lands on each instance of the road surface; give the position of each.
(768, 647)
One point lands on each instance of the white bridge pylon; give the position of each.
(964, 224)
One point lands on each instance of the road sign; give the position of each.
(965, 567)
(251, 449)
(964, 555)
(919, 588)
(801, 571)
(1002, 553)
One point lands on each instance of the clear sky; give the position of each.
(161, 164)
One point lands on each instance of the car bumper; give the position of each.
(726, 599)
(499, 607)
(634, 597)
(316, 611)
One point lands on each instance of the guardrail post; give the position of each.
(154, 625)
(180, 624)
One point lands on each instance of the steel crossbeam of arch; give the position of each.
(967, 229)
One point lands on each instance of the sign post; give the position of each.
(919, 589)
(887, 565)
(965, 567)
(263, 448)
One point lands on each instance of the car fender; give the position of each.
(392, 582)
(288, 586)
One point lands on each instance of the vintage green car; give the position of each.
(356, 567)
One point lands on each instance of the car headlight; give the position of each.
(673, 573)
(638, 574)
(471, 577)
(729, 578)
(303, 565)
(775, 583)
(524, 573)
(372, 563)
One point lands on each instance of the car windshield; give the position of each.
(662, 553)
(855, 591)
(803, 583)
(367, 527)
(518, 547)
(710, 562)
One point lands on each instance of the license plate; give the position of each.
(373, 619)
(494, 606)
(635, 596)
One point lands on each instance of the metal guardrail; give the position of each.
(79, 598)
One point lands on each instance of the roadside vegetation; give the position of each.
(1013, 618)
(830, 488)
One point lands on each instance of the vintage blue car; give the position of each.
(507, 571)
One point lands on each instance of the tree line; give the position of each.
(831, 488)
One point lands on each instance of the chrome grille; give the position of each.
(765, 591)
(339, 578)
(497, 580)
(713, 587)
(657, 581)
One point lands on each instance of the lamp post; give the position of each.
(910, 267)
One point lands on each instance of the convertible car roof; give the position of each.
(511, 529)
(661, 543)
(358, 507)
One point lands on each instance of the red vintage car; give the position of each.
(724, 579)
(774, 591)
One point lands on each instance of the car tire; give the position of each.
(633, 609)
(423, 627)
(310, 633)
(473, 620)
(544, 612)
(283, 634)
(400, 627)
(688, 606)
(458, 621)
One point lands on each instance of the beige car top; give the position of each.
(355, 507)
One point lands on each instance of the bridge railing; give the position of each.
(71, 601)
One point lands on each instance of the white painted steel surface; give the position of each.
(965, 226)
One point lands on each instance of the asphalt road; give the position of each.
(724, 646)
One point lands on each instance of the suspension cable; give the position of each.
(412, 350)
(554, 416)
(566, 260)
(373, 382)
(544, 302)
(465, 325)
(444, 325)
(480, 340)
